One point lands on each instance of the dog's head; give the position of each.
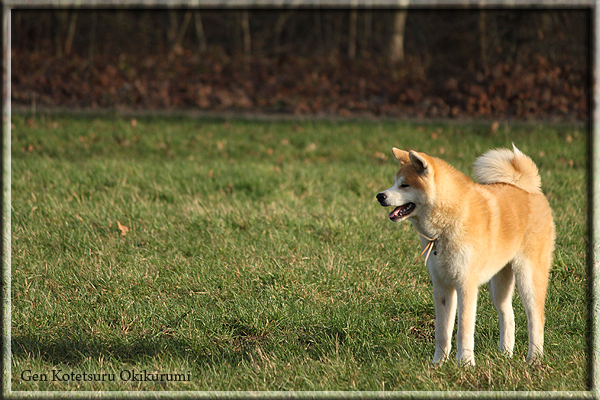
(409, 194)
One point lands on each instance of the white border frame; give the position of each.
(594, 199)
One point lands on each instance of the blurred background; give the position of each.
(364, 62)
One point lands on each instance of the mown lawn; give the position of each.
(253, 256)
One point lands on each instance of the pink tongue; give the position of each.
(400, 211)
(395, 213)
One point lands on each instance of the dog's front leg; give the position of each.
(465, 335)
(444, 297)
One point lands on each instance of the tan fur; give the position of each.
(499, 232)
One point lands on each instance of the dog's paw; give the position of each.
(466, 362)
(466, 358)
(535, 360)
(506, 353)
(535, 354)
(438, 358)
(436, 364)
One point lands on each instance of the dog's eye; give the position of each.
(404, 185)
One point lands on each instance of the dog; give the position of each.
(499, 230)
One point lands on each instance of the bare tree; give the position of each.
(173, 26)
(178, 40)
(245, 16)
(282, 21)
(92, 37)
(200, 32)
(352, 33)
(396, 53)
(71, 32)
(368, 32)
(62, 17)
(483, 36)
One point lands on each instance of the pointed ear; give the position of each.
(419, 162)
(400, 155)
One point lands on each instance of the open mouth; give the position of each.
(402, 211)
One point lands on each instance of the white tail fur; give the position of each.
(513, 167)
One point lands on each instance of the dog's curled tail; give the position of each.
(513, 167)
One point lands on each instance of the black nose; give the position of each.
(381, 196)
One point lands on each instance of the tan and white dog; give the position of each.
(499, 230)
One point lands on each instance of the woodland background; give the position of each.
(507, 63)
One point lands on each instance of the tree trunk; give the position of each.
(71, 32)
(368, 31)
(246, 32)
(177, 43)
(62, 16)
(397, 45)
(352, 34)
(282, 20)
(483, 40)
(318, 31)
(200, 32)
(92, 44)
(173, 24)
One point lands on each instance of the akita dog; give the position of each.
(498, 230)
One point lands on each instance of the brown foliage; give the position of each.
(304, 85)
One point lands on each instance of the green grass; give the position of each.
(258, 258)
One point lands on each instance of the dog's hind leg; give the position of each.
(501, 290)
(445, 312)
(532, 283)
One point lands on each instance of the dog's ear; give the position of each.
(400, 155)
(419, 162)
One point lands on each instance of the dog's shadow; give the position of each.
(74, 352)
(314, 340)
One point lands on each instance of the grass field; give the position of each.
(252, 255)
